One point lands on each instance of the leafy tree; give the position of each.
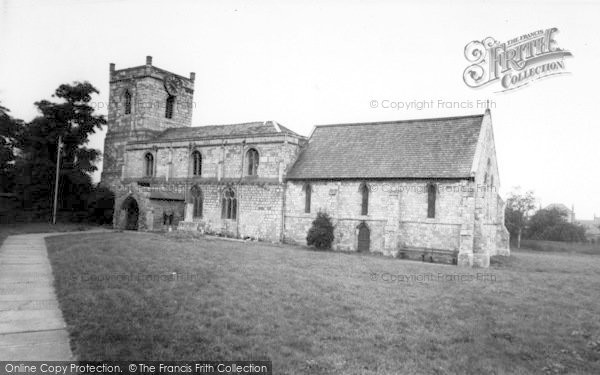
(321, 232)
(9, 131)
(74, 120)
(552, 225)
(518, 208)
(100, 205)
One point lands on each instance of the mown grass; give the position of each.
(40, 227)
(323, 312)
(566, 247)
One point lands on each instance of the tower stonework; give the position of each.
(143, 101)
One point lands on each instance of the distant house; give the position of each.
(569, 213)
(592, 229)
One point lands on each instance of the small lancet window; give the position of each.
(169, 106)
(149, 160)
(197, 163)
(307, 197)
(431, 197)
(252, 160)
(127, 102)
(364, 190)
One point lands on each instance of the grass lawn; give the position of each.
(41, 227)
(325, 313)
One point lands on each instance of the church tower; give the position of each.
(143, 101)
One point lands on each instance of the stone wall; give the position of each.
(490, 236)
(219, 160)
(397, 214)
(146, 84)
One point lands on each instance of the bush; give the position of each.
(321, 233)
(100, 204)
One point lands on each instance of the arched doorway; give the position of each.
(132, 213)
(364, 238)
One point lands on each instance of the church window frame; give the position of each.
(431, 199)
(229, 204)
(149, 167)
(364, 191)
(197, 201)
(170, 107)
(196, 163)
(128, 100)
(252, 162)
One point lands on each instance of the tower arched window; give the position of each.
(228, 204)
(252, 162)
(127, 102)
(196, 163)
(197, 200)
(149, 164)
(431, 197)
(307, 197)
(169, 107)
(364, 190)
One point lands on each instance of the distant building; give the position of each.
(568, 213)
(429, 184)
(592, 229)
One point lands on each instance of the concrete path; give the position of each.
(31, 323)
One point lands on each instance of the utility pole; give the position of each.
(58, 152)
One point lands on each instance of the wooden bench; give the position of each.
(429, 255)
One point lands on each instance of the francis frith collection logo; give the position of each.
(515, 63)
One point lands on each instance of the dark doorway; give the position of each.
(132, 213)
(364, 238)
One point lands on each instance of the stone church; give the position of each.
(426, 188)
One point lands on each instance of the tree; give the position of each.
(9, 131)
(321, 232)
(74, 120)
(552, 225)
(518, 208)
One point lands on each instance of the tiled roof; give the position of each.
(222, 131)
(425, 148)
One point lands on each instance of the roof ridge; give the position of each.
(400, 121)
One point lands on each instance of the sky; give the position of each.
(303, 63)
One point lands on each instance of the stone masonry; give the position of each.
(225, 195)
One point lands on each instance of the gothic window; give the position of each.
(169, 107)
(431, 196)
(364, 190)
(197, 200)
(307, 197)
(197, 163)
(149, 160)
(252, 160)
(228, 204)
(127, 102)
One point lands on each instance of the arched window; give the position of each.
(252, 160)
(169, 106)
(228, 204)
(431, 196)
(127, 102)
(197, 200)
(197, 163)
(364, 190)
(307, 197)
(149, 159)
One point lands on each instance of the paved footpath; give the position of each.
(31, 323)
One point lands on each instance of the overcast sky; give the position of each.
(303, 63)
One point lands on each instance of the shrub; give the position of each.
(100, 205)
(321, 232)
